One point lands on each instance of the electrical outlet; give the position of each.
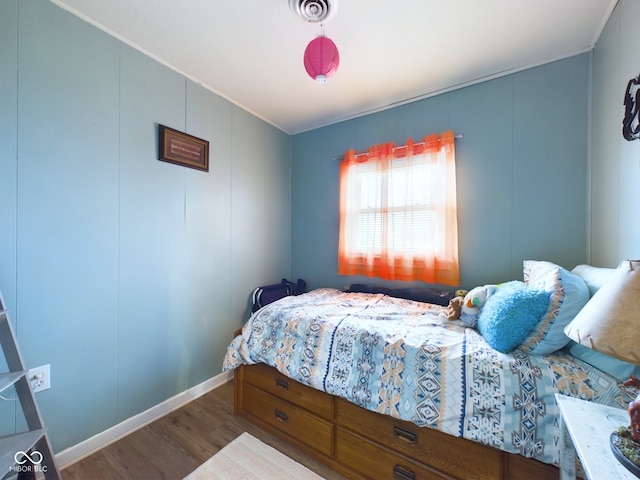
(40, 378)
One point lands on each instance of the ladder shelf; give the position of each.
(26, 452)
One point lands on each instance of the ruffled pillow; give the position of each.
(568, 293)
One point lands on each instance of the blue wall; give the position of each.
(128, 275)
(521, 173)
(615, 162)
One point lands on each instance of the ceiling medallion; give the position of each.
(313, 11)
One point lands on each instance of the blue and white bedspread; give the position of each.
(397, 358)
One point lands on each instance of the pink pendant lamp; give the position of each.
(321, 59)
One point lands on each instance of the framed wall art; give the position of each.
(183, 149)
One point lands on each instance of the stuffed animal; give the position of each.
(473, 302)
(461, 293)
(451, 314)
(454, 309)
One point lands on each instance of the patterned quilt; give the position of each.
(398, 358)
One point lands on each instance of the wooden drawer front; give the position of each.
(427, 446)
(290, 419)
(271, 380)
(521, 468)
(376, 462)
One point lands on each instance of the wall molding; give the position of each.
(93, 444)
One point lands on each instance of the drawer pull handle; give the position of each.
(282, 383)
(400, 473)
(283, 417)
(405, 435)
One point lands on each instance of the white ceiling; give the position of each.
(250, 51)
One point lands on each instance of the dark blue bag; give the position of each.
(270, 293)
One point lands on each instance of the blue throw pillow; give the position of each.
(509, 315)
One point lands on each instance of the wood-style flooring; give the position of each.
(176, 444)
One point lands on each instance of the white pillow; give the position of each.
(594, 277)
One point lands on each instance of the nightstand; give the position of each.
(584, 429)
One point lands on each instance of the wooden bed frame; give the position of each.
(361, 444)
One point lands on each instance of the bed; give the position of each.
(331, 370)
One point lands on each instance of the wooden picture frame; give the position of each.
(183, 149)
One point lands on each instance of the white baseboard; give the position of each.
(91, 445)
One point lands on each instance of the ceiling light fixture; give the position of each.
(321, 57)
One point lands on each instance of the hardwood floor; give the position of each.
(175, 445)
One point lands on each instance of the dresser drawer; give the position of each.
(290, 419)
(521, 468)
(376, 462)
(427, 446)
(270, 380)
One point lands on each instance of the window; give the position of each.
(398, 216)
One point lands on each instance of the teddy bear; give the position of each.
(455, 308)
(473, 302)
(451, 314)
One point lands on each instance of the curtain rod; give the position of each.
(359, 154)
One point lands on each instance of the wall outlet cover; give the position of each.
(40, 378)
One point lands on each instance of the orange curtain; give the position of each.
(398, 212)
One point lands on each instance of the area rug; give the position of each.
(247, 458)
